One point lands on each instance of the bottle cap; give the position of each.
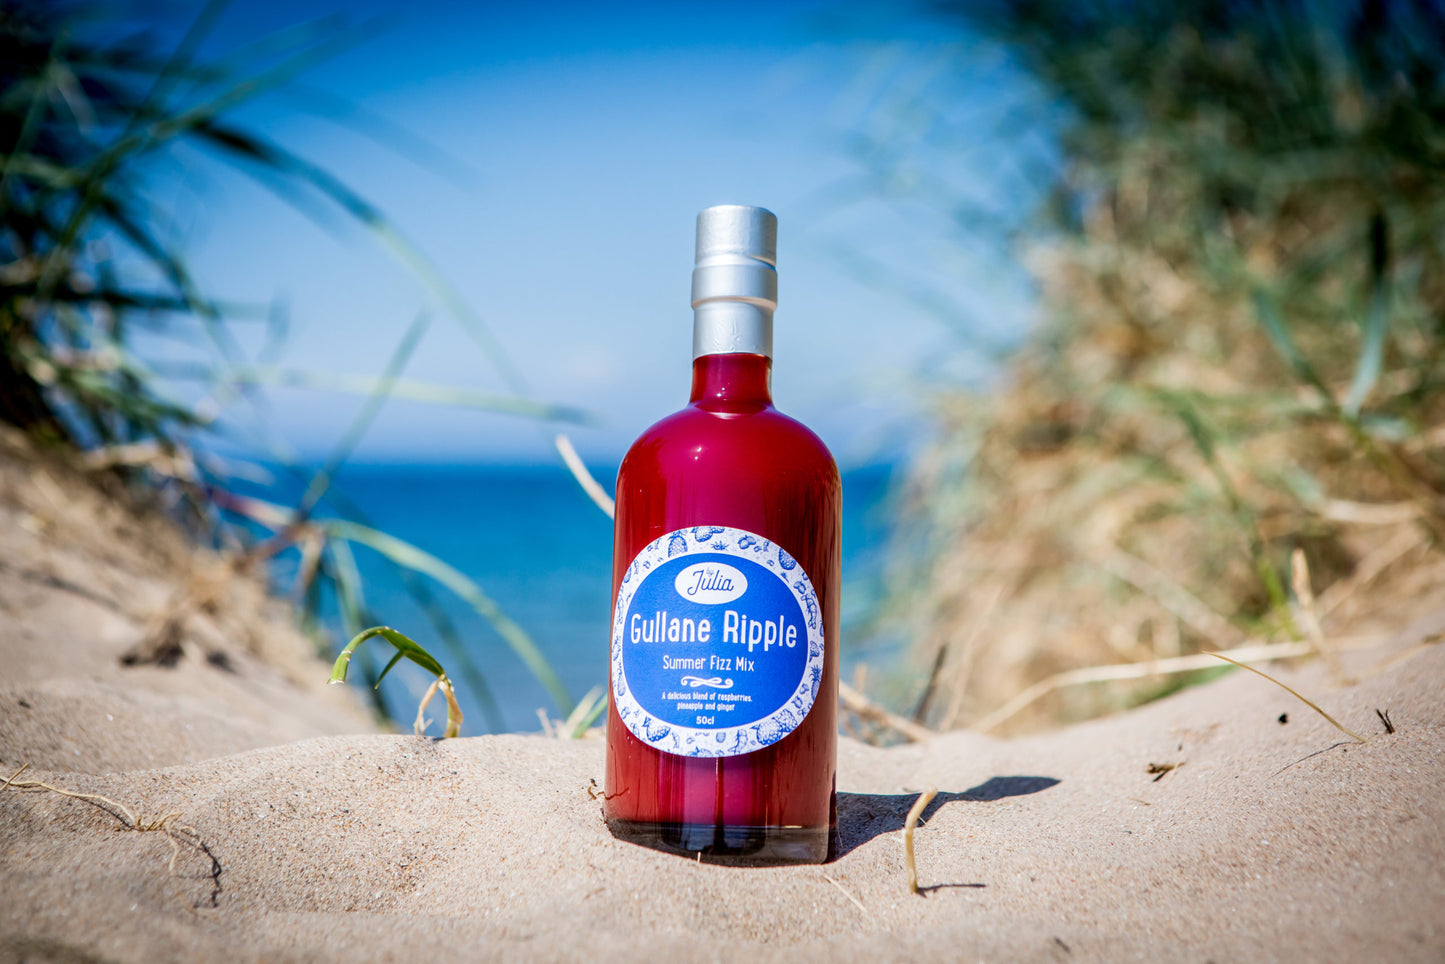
(734, 282)
(737, 229)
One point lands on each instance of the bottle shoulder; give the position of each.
(697, 436)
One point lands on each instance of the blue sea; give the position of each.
(536, 545)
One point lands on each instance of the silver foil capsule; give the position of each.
(735, 281)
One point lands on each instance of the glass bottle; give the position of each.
(722, 723)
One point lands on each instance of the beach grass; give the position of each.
(1240, 359)
(406, 648)
(88, 113)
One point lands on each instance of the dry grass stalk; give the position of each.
(177, 834)
(1371, 567)
(313, 544)
(168, 634)
(1303, 699)
(1362, 513)
(1256, 653)
(1404, 656)
(869, 710)
(919, 805)
(970, 644)
(1049, 531)
(1228, 365)
(454, 709)
(1157, 585)
(176, 463)
(584, 478)
(844, 890)
(1308, 614)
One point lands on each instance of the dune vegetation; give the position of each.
(94, 115)
(1228, 429)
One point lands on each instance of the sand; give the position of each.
(1268, 841)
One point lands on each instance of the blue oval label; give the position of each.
(717, 643)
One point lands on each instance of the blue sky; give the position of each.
(580, 141)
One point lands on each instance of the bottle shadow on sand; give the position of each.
(863, 816)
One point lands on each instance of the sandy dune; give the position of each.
(1269, 841)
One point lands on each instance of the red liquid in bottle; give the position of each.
(731, 459)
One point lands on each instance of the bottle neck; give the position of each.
(731, 325)
(734, 383)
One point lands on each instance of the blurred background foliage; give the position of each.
(1240, 355)
(1226, 428)
(91, 118)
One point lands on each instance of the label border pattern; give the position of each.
(720, 741)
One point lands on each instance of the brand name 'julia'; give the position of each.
(710, 583)
(710, 579)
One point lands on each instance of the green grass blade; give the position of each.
(1372, 348)
(395, 658)
(276, 518)
(188, 121)
(387, 234)
(386, 134)
(1204, 440)
(350, 594)
(1199, 433)
(1269, 318)
(402, 388)
(321, 481)
(178, 64)
(29, 125)
(342, 572)
(409, 649)
(405, 647)
(418, 560)
(138, 137)
(275, 44)
(94, 176)
(173, 268)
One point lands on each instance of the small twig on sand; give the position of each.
(1384, 716)
(595, 792)
(869, 710)
(924, 799)
(1307, 702)
(1161, 769)
(177, 834)
(856, 902)
(1307, 756)
(117, 810)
